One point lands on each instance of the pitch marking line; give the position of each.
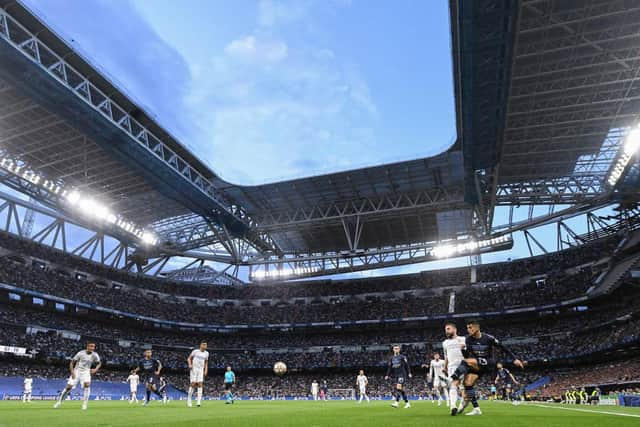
(588, 410)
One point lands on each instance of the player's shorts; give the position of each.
(81, 378)
(228, 386)
(400, 380)
(486, 366)
(133, 389)
(152, 380)
(27, 390)
(363, 390)
(196, 375)
(451, 368)
(438, 381)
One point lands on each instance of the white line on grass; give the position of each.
(588, 410)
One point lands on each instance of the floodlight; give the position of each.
(632, 142)
(101, 212)
(148, 238)
(444, 251)
(73, 197)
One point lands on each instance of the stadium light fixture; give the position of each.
(72, 197)
(282, 273)
(629, 149)
(449, 250)
(84, 204)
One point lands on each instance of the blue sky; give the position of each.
(265, 90)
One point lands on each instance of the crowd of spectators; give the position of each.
(568, 335)
(500, 297)
(133, 300)
(621, 375)
(566, 275)
(551, 264)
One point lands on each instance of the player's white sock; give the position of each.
(199, 395)
(446, 396)
(63, 395)
(189, 394)
(453, 396)
(368, 400)
(85, 396)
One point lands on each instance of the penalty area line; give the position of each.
(588, 410)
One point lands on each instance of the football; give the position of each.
(279, 368)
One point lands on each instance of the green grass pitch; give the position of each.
(308, 414)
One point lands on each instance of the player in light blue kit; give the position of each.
(229, 382)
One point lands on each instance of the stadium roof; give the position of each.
(545, 92)
(394, 204)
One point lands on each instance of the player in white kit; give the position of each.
(362, 382)
(438, 376)
(198, 362)
(453, 357)
(133, 379)
(81, 371)
(315, 389)
(26, 394)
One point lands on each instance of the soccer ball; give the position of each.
(279, 368)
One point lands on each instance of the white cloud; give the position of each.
(272, 110)
(296, 117)
(256, 50)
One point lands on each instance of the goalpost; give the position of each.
(342, 393)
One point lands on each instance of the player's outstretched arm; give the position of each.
(517, 362)
(190, 361)
(72, 365)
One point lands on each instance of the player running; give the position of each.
(229, 382)
(26, 393)
(315, 389)
(150, 369)
(198, 362)
(506, 379)
(362, 382)
(133, 379)
(81, 371)
(480, 360)
(452, 348)
(437, 376)
(399, 367)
